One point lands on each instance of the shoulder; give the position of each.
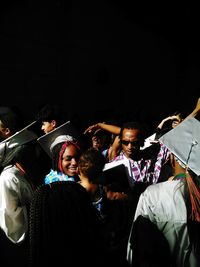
(9, 170)
(161, 191)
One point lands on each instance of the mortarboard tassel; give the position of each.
(194, 198)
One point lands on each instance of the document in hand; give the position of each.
(118, 173)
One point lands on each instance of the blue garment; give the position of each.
(55, 176)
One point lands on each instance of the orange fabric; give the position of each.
(194, 198)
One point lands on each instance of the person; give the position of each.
(112, 147)
(18, 178)
(167, 206)
(99, 139)
(145, 166)
(171, 208)
(50, 117)
(65, 152)
(168, 124)
(90, 171)
(64, 227)
(113, 212)
(171, 168)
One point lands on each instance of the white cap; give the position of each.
(184, 142)
(64, 132)
(62, 139)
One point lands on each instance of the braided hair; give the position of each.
(64, 226)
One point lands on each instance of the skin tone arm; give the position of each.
(101, 125)
(196, 110)
(113, 129)
(173, 117)
(177, 117)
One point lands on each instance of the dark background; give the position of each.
(100, 59)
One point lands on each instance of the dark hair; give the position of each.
(64, 226)
(135, 125)
(11, 118)
(51, 112)
(91, 164)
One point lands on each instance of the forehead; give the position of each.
(70, 150)
(130, 133)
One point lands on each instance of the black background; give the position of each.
(100, 59)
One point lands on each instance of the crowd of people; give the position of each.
(61, 207)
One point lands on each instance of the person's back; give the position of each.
(166, 206)
(16, 186)
(64, 227)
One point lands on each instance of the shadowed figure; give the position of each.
(64, 227)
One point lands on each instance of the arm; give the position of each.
(173, 117)
(101, 125)
(14, 195)
(196, 110)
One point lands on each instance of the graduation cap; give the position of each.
(9, 145)
(184, 142)
(118, 173)
(62, 133)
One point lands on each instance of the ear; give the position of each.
(7, 132)
(53, 123)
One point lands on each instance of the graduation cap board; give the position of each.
(119, 172)
(19, 138)
(65, 129)
(22, 136)
(184, 142)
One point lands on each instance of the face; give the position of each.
(175, 123)
(130, 142)
(97, 142)
(48, 126)
(70, 160)
(4, 132)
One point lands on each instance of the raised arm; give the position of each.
(101, 125)
(196, 110)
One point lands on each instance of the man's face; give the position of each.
(130, 142)
(48, 126)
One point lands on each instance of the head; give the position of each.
(177, 118)
(10, 122)
(100, 139)
(65, 152)
(50, 116)
(91, 164)
(132, 137)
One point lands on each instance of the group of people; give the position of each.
(64, 208)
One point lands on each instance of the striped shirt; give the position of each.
(142, 170)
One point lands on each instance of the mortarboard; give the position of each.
(7, 146)
(119, 172)
(184, 142)
(61, 134)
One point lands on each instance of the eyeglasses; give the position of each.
(133, 143)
